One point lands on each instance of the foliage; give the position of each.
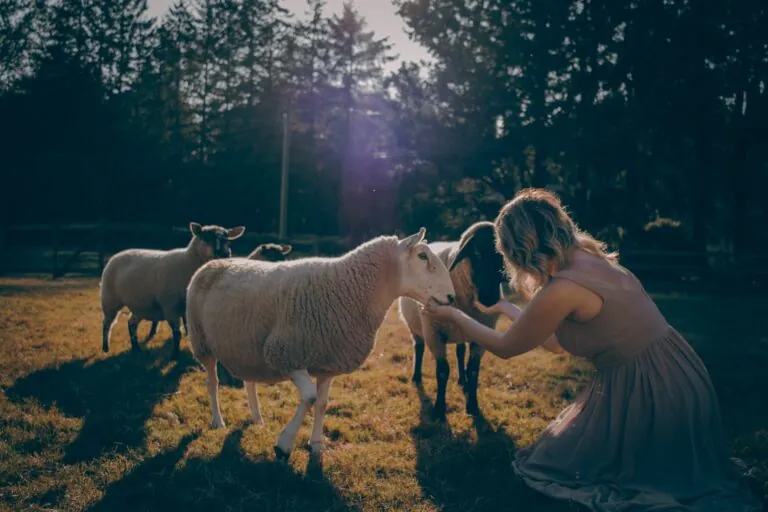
(631, 111)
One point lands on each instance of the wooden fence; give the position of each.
(61, 249)
(71, 249)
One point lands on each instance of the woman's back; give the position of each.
(628, 322)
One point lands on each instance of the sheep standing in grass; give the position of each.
(264, 252)
(318, 316)
(477, 271)
(152, 283)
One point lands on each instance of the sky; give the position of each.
(380, 15)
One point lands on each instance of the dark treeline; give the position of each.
(633, 111)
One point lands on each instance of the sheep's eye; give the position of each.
(423, 256)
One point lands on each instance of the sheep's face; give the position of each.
(270, 252)
(423, 276)
(477, 245)
(216, 239)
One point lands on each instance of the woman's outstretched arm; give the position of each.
(534, 326)
(513, 312)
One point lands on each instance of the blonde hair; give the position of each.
(534, 232)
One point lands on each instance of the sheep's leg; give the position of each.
(442, 371)
(133, 327)
(461, 357)
(316, 442)
(152, 331)
(213, 390)
(437, 347)
(109, 320)
(253, 402)
(184, 321)
(176, 333)
(473, 372)
(418, 358)
(308, 394)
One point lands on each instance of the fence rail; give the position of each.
(83, 248)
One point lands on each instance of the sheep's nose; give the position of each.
(451, 298)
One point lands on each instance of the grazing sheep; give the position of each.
(152, 284)
(318, 316)
(477, 271)
(264, 252)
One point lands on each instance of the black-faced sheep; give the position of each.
(318, 316)
(270, 252)
(152, 284)
(477, 271)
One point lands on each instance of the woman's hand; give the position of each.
(440, 312)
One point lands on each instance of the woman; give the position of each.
(645, 435)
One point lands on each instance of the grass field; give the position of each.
(83, 430)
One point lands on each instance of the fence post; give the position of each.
(56, 246)
(3, 238)
(101, 235)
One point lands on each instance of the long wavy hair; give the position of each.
(535, 235)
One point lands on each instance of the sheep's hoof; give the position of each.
(256, 421)
(473, 409)
(316, 447)
(462, 381)
(135, 347)
(105, 348)
(281, 455)
(438, 413)
(218, 424)
(310, 398)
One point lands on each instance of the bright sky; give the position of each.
(380, 15)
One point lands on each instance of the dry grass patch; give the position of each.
(83, 430)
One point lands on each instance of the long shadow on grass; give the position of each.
(114, 396)
(459, 474)
(231, 481)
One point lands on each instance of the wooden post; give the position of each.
(101, 235)
(316, 245)
(3, 245)
(56, 235)
(283, 222)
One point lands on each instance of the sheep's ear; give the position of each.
(465, 249)
(256, 253)
(195, 228)
(235, 233)
(286, 248)
(410, 241)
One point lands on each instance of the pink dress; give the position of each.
(646, 434)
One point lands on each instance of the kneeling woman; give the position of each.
(646, 433)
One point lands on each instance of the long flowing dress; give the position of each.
(645, 435)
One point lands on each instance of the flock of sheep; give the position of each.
(269, 319)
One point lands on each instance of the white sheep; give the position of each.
(477, 272)
(318, 316)
(152, 283)
(264, 252)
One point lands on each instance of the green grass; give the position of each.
(83, 430)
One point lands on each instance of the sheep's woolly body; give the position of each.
(265, 320)
(151, 283)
